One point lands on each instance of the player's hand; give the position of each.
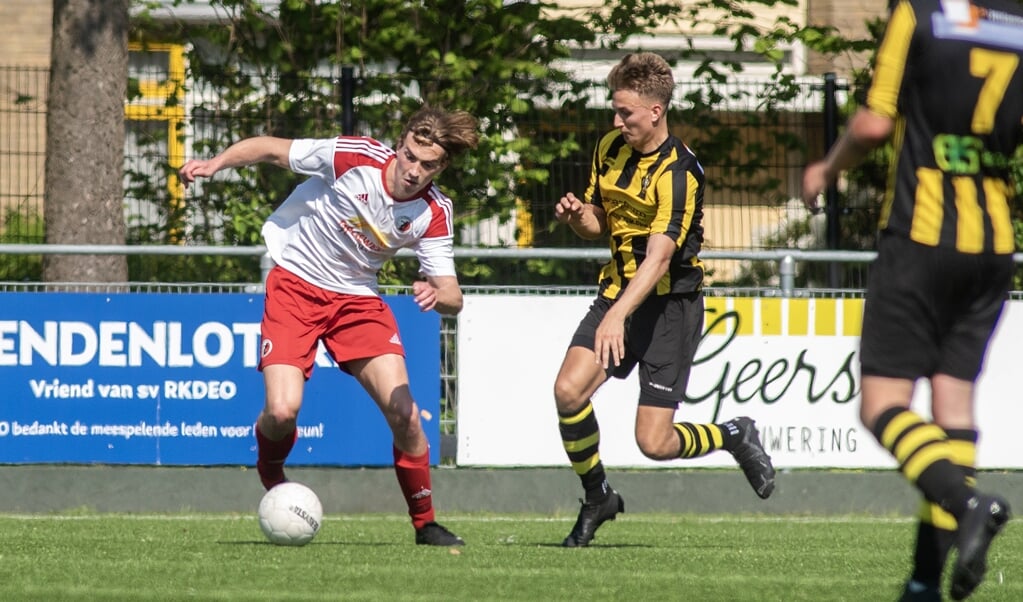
(196, 168)
(424, 294)
(609, 341)
(568, 209)
(815, 180)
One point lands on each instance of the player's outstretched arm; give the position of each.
(866, 131)
(259, 149)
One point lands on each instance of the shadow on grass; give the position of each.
(598, 546)
(364, 544)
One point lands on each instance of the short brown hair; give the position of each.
(454, 131)
(646, 74)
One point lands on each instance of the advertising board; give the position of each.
(171, 379)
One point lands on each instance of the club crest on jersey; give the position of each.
(403, 223)
(643, 186)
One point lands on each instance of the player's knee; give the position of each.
(867, 420)
(277, 423)
(403, 418)
(281, 409)
(869, 413)
(657, 448)
(568, 396)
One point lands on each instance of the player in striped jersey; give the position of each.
(361, 203)
(646, 194)
(948, 91)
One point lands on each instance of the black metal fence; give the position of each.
(22, 152)
(752, 144)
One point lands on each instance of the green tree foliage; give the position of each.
(20, 227)
(275, 70)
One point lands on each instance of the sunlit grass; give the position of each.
(84, 556)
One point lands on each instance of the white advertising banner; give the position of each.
(790, 364)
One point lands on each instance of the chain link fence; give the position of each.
(752, 142)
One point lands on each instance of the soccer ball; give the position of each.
(290, 514)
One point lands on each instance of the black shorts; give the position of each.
(931, 310)
(661, 336)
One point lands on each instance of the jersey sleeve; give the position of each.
(442, 221)
(435, 250)
(592, 194)
(313, 157)
(890, 70)
(676, 191)
(436, 256)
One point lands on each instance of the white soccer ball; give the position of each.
(290, 514)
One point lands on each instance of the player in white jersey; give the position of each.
(362, 202)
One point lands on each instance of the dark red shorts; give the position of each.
(298, 315)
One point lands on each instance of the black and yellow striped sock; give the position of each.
(925, 458)
(937, 528)
(697, 440)
(580, 435)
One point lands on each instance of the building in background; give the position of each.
(734, 220)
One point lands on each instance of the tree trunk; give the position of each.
(84, 198)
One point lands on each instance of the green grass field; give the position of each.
(641, 557)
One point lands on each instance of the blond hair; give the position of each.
(454, 131)
(644, 73)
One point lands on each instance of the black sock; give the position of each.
(580, 436)
(925, 458)
(697, 440)
(936, 530)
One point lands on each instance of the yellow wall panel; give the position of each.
(824, 317)
(852, 317)
(799, 317)
(715, 307)
(770, 316)
(746, 308)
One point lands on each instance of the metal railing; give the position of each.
(786, 259)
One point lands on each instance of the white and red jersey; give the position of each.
(336, 229)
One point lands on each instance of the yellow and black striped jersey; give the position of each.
(949, 73)
(660, 192)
